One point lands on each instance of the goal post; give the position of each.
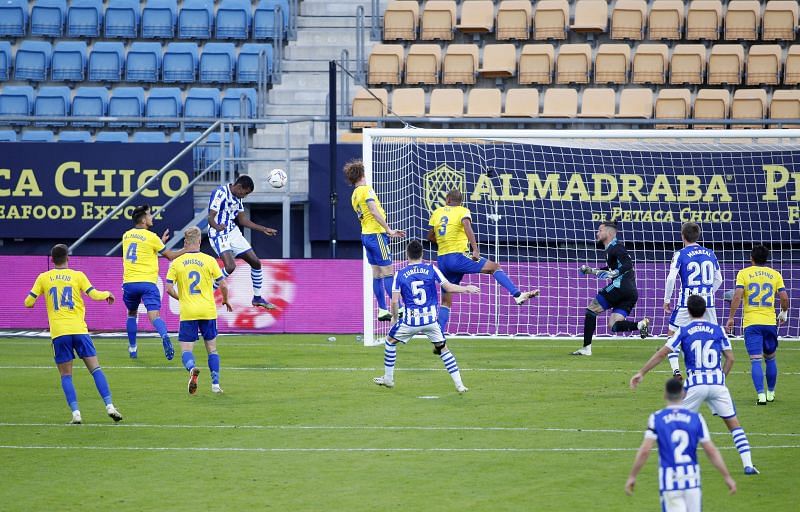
(537, 197)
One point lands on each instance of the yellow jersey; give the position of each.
(62, 289)
(361, 196)
(448, 227)
(761, 286)
(140, 250)
(194, 274)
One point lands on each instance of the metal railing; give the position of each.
(294, 13)
(265, 76)
(375, 27)
(344, 84)
(277, 53)
(361, 58)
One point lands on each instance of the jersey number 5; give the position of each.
(131, 254)
(420, 296)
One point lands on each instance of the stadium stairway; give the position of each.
(324, 28)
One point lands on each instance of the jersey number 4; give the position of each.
(131, 254)
(66, 298)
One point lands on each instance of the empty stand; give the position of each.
(143, 62)
(484, 103)
(791, 75)
(409, 102)
(180, 63)
(447, 103)
(47, 18)
(499, 61)
(598, 102)
(650, 64)
(673, 104)
(126, 102)
(400, 20)
(13, 18)
(217, 63)
(726, 64)
(69, 61)
(74, 136)
(158, 19)
(122, 19)
(90, 102)
(372, 103)
(688, 64)
(8, 135)
(749, 104)
(5, 60)
(151, 137)
(196, 19)
(84, 18)
(37, 136)
(460, 64)
(111, 137)
(386, 64)
(560, 103)
(253, 57)
(33, 61)
(52, 102)
(711, 104)
(16, 100)
(612, 64)
(536, 64)
(780, 20)
(268, 18)
(666, 19)
(523, 102)
(106, 62)
(764, 64)
(628, 19)
(238, 103)
(163, 102)
(438, 20)
(233, 19)
(550, 19)
(477, 17)
(513, 20)
(704, 20)
(574, 64)
(635, 103)
(591, 17)
(785, 104)
(201, 102)
(742, 20)
(423, 64)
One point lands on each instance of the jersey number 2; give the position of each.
(681, 439)
(131, 254)
(66, 298)
(195, 280)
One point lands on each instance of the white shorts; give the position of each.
(403, 333)
(680, 317)
(688, 500)
(233, 241)
(717, 397)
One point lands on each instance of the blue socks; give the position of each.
(742, 446)
(378, 290)
(188, 360)
(161, 327)
(130, 326)
(388, 281)
(389, 358)
(69, 392)
(101, 384)
(503, 280)
(213, 366)
(444, 317)
(257, 276)
(772, 373)
(758, 375)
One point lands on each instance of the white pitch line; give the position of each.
(362, 427)
(369, 450)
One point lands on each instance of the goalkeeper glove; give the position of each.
(586, 269)
(783, 315)
(608, 274)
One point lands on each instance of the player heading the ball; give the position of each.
(140, 251)
(225, 209)
(66, 313)
(375, 234)
(620, 295)
(458, 254)
(416, 284)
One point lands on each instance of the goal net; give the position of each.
(537, 198)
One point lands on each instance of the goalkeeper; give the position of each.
(620, 295)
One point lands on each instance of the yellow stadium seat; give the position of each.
(628, 19)
(636, 103)
(711, 104)
(749, 104)
(409, 102)
(560, 103)
(386, 64)
(477, 17)
(791, 75)
(514, 20)
(460, 64)
(438, 20)
(703, 20)
(650, 64)
(423, 64)
(742, 20)
(484, 103)
(446, 103)
(369, 105)
(673, 104)
(611, 64)
(780, 20)
(591, 17)
(522, 102)
(725, 64)
(400, 20)
(666, 19)
(688, 64)
(550, 19)
(574, 64)
(499, 61)
(764, 64)
(785, 104)
(598, 102)
(536, 64)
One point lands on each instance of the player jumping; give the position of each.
(451, 231)
(140, 250)
(700, 274)
(620, 294)
(375, 235)
(224, 210)
(763, 284)
(62, 288)
(416, 285)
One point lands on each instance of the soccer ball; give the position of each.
(277, 178)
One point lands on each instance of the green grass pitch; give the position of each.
(301, 426)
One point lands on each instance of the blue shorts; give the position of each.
(65, 347)
(134, 293)
(455, 265)
(760, 339)
(189, 330)
(377, 246)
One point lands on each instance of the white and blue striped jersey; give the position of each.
(677, 431)
(700, 274)
(417, 286)
(227, 207)
(702, 344)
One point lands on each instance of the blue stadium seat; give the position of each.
(126, 102)
(122, 19)
(89, 102)
(16, 100)
(174, 137)
(74, 136)
(84, 18)
(196, 19)
(264, 19)
(247, 64)
(52, 102)
(47, 18)
(5, 60)
(158, 19)
(233, 19)
(13, 18)
(8, 136)
(202, 102)
(69, 61)
(32, 61)
(210, 150)
(37, 136)
(106, 62)
(144, 62)
(180, 63)
(149, 137)
(164, 102)
(217, 63)
(231, 106)
(111, 137)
